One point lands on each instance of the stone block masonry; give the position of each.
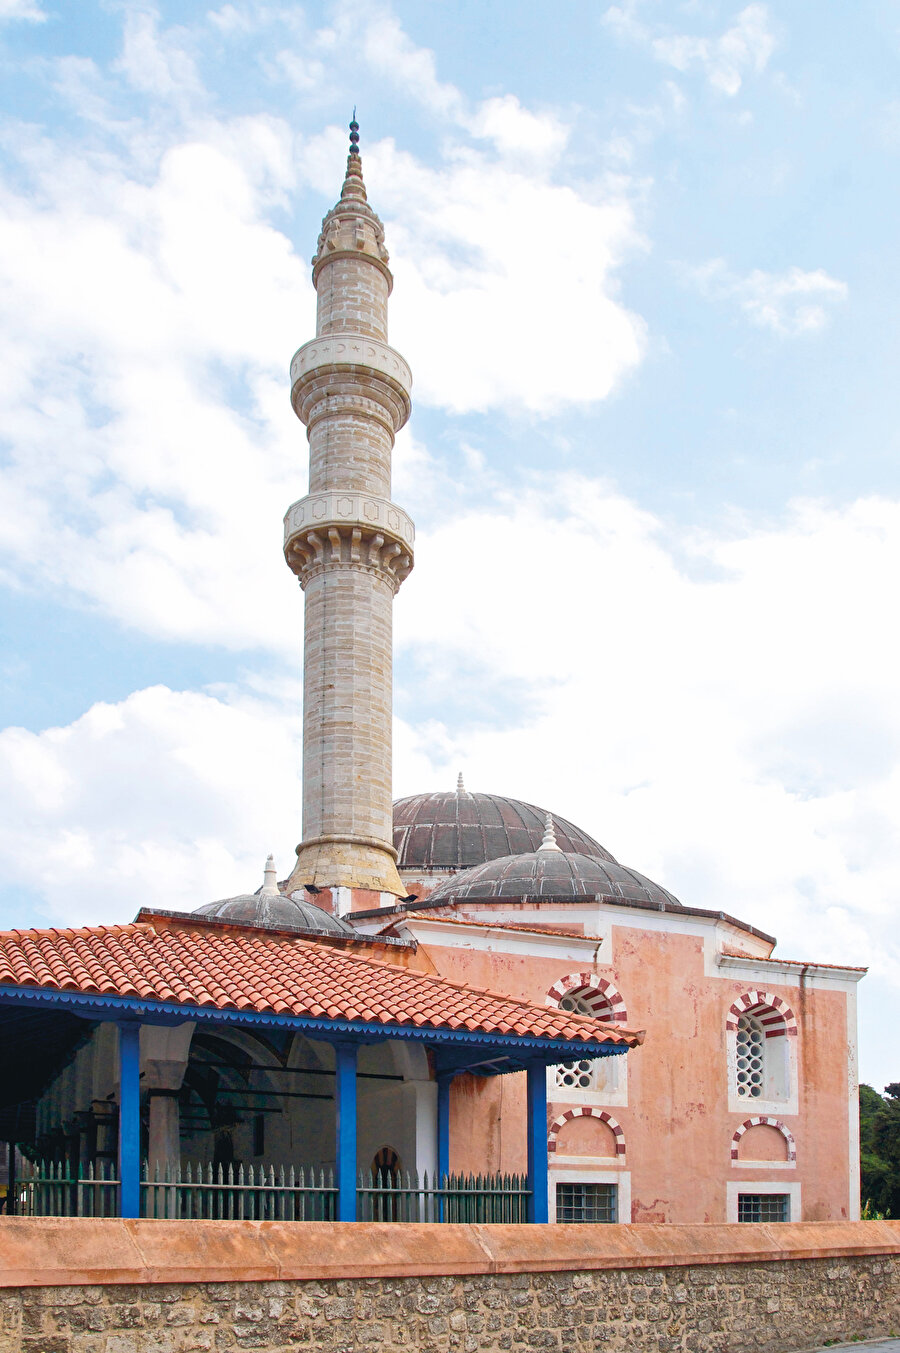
(649, 1289)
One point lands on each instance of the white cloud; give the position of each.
(718, 709)
(150, 310)
(157, 64)
(725, 61)
(169, 799)
(790, 303)
(21, 9)
(389, 51)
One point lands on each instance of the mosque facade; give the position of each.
(455, 983)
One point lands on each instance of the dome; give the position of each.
(270, 908)
(555, 874)
(459, 830)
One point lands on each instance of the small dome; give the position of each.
(270, 908)
(554, 874)
(459, 830)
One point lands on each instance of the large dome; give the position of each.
(272, 909)
(462, 830)
(554, 874)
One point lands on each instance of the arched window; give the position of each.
(751, 1058)
(763, 1070)
(589, 1074)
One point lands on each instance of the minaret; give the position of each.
(351, 548)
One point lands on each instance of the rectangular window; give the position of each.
(764, 1207)
(585, 1202)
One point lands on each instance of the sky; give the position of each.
(645, 276)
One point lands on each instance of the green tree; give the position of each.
(879, 1142)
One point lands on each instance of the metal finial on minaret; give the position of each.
(549, 841)
(460, 787)
(270, 884)
(354, 134)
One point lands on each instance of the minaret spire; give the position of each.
(351, 548)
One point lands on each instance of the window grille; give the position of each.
(582, 1074)
(751, 1045)
(764, 1207)
(586, 1202)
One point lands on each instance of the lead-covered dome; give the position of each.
(462, 830)
(270, 908)
(558, 875)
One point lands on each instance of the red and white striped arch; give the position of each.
(604, 1000)
(763, 1121)
(776, 1017)
(586, 1111)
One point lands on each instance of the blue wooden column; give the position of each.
(345, 1104)
(538, 1179)
(130, 1118)
(443, 1127)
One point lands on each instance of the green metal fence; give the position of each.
(392, 1196)
(54, 1189)
(228, 1192)
(264, 1193)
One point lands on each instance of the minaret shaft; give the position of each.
(351, 547)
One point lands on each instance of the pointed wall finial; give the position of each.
(270, 884)
(460, 787)
(549, 841)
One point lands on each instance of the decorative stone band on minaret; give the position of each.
(351, 548)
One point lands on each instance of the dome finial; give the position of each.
(270, 884)
(549, 841)
(460, 787)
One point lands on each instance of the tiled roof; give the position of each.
(566, 932)
(793, 962)
(193, 964)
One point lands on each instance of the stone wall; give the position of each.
(642, 1288)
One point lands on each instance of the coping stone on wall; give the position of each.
(57, 1252)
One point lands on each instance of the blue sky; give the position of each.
(646, 280)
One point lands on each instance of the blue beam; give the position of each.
(516, 1047)
(538, 1178)
(130, 1118)
(345, 1104)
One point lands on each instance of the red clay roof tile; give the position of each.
(204, 966)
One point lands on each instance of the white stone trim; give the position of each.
(589, 1175)
(853, 1202)
(735, 1187)
(763, 1120)
(483, 937)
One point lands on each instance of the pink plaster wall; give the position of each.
(677, 1123)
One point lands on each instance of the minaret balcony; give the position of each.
(348, 364)
(348, 530)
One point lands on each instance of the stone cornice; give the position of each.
(350, 364)
(348, 530)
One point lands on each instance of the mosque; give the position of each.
(458, 986)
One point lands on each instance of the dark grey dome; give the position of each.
(554, 874)
(270, 908)
(462, 830)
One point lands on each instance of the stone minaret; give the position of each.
(351, 548)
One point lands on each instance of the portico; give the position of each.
(192, 1036)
